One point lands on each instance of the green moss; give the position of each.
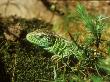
(23, 61)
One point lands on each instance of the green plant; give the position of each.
(77, 62)
(93, 58)
(95, 25)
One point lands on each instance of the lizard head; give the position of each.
(41, 39)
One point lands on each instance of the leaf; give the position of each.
(105, 64)
(96, 79)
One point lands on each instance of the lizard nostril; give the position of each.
(28, 37)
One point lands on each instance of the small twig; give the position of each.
(97, 71)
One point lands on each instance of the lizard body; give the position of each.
(53, 43)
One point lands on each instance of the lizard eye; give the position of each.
(41, 36)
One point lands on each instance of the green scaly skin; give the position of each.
(53, 43)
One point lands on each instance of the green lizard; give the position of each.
(54, 44)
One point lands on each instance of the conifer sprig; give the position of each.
(95, 25)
